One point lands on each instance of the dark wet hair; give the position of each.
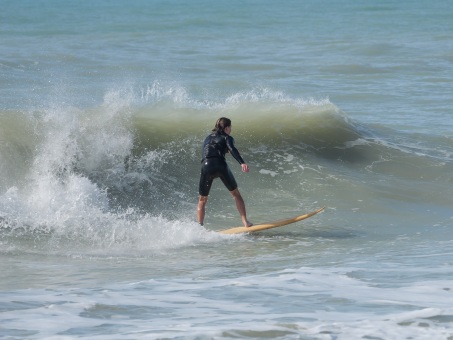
(221, 124)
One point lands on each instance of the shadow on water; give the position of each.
(337, 233)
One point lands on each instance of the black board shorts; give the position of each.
(215, 168)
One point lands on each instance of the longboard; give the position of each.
(269, 225)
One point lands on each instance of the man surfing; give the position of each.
(214, 165)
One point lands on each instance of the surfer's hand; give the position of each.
(245, 167)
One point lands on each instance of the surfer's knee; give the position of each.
(235, 193)
(202, 201)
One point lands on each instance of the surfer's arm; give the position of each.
(234, 152)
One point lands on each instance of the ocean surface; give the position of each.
(342, 104)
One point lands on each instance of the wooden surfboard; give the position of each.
(269, 225)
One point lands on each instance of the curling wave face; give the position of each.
(97, 176)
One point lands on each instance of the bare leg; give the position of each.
(201, 209)
(240, 205)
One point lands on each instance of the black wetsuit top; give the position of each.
(214, 164)
(216, 145)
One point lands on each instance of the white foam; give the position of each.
(268, 172)
(318, 302)
(59, 198)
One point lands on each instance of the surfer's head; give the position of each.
(221, 125)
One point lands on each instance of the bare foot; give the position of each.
(249, 224)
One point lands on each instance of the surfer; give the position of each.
(214, 165)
